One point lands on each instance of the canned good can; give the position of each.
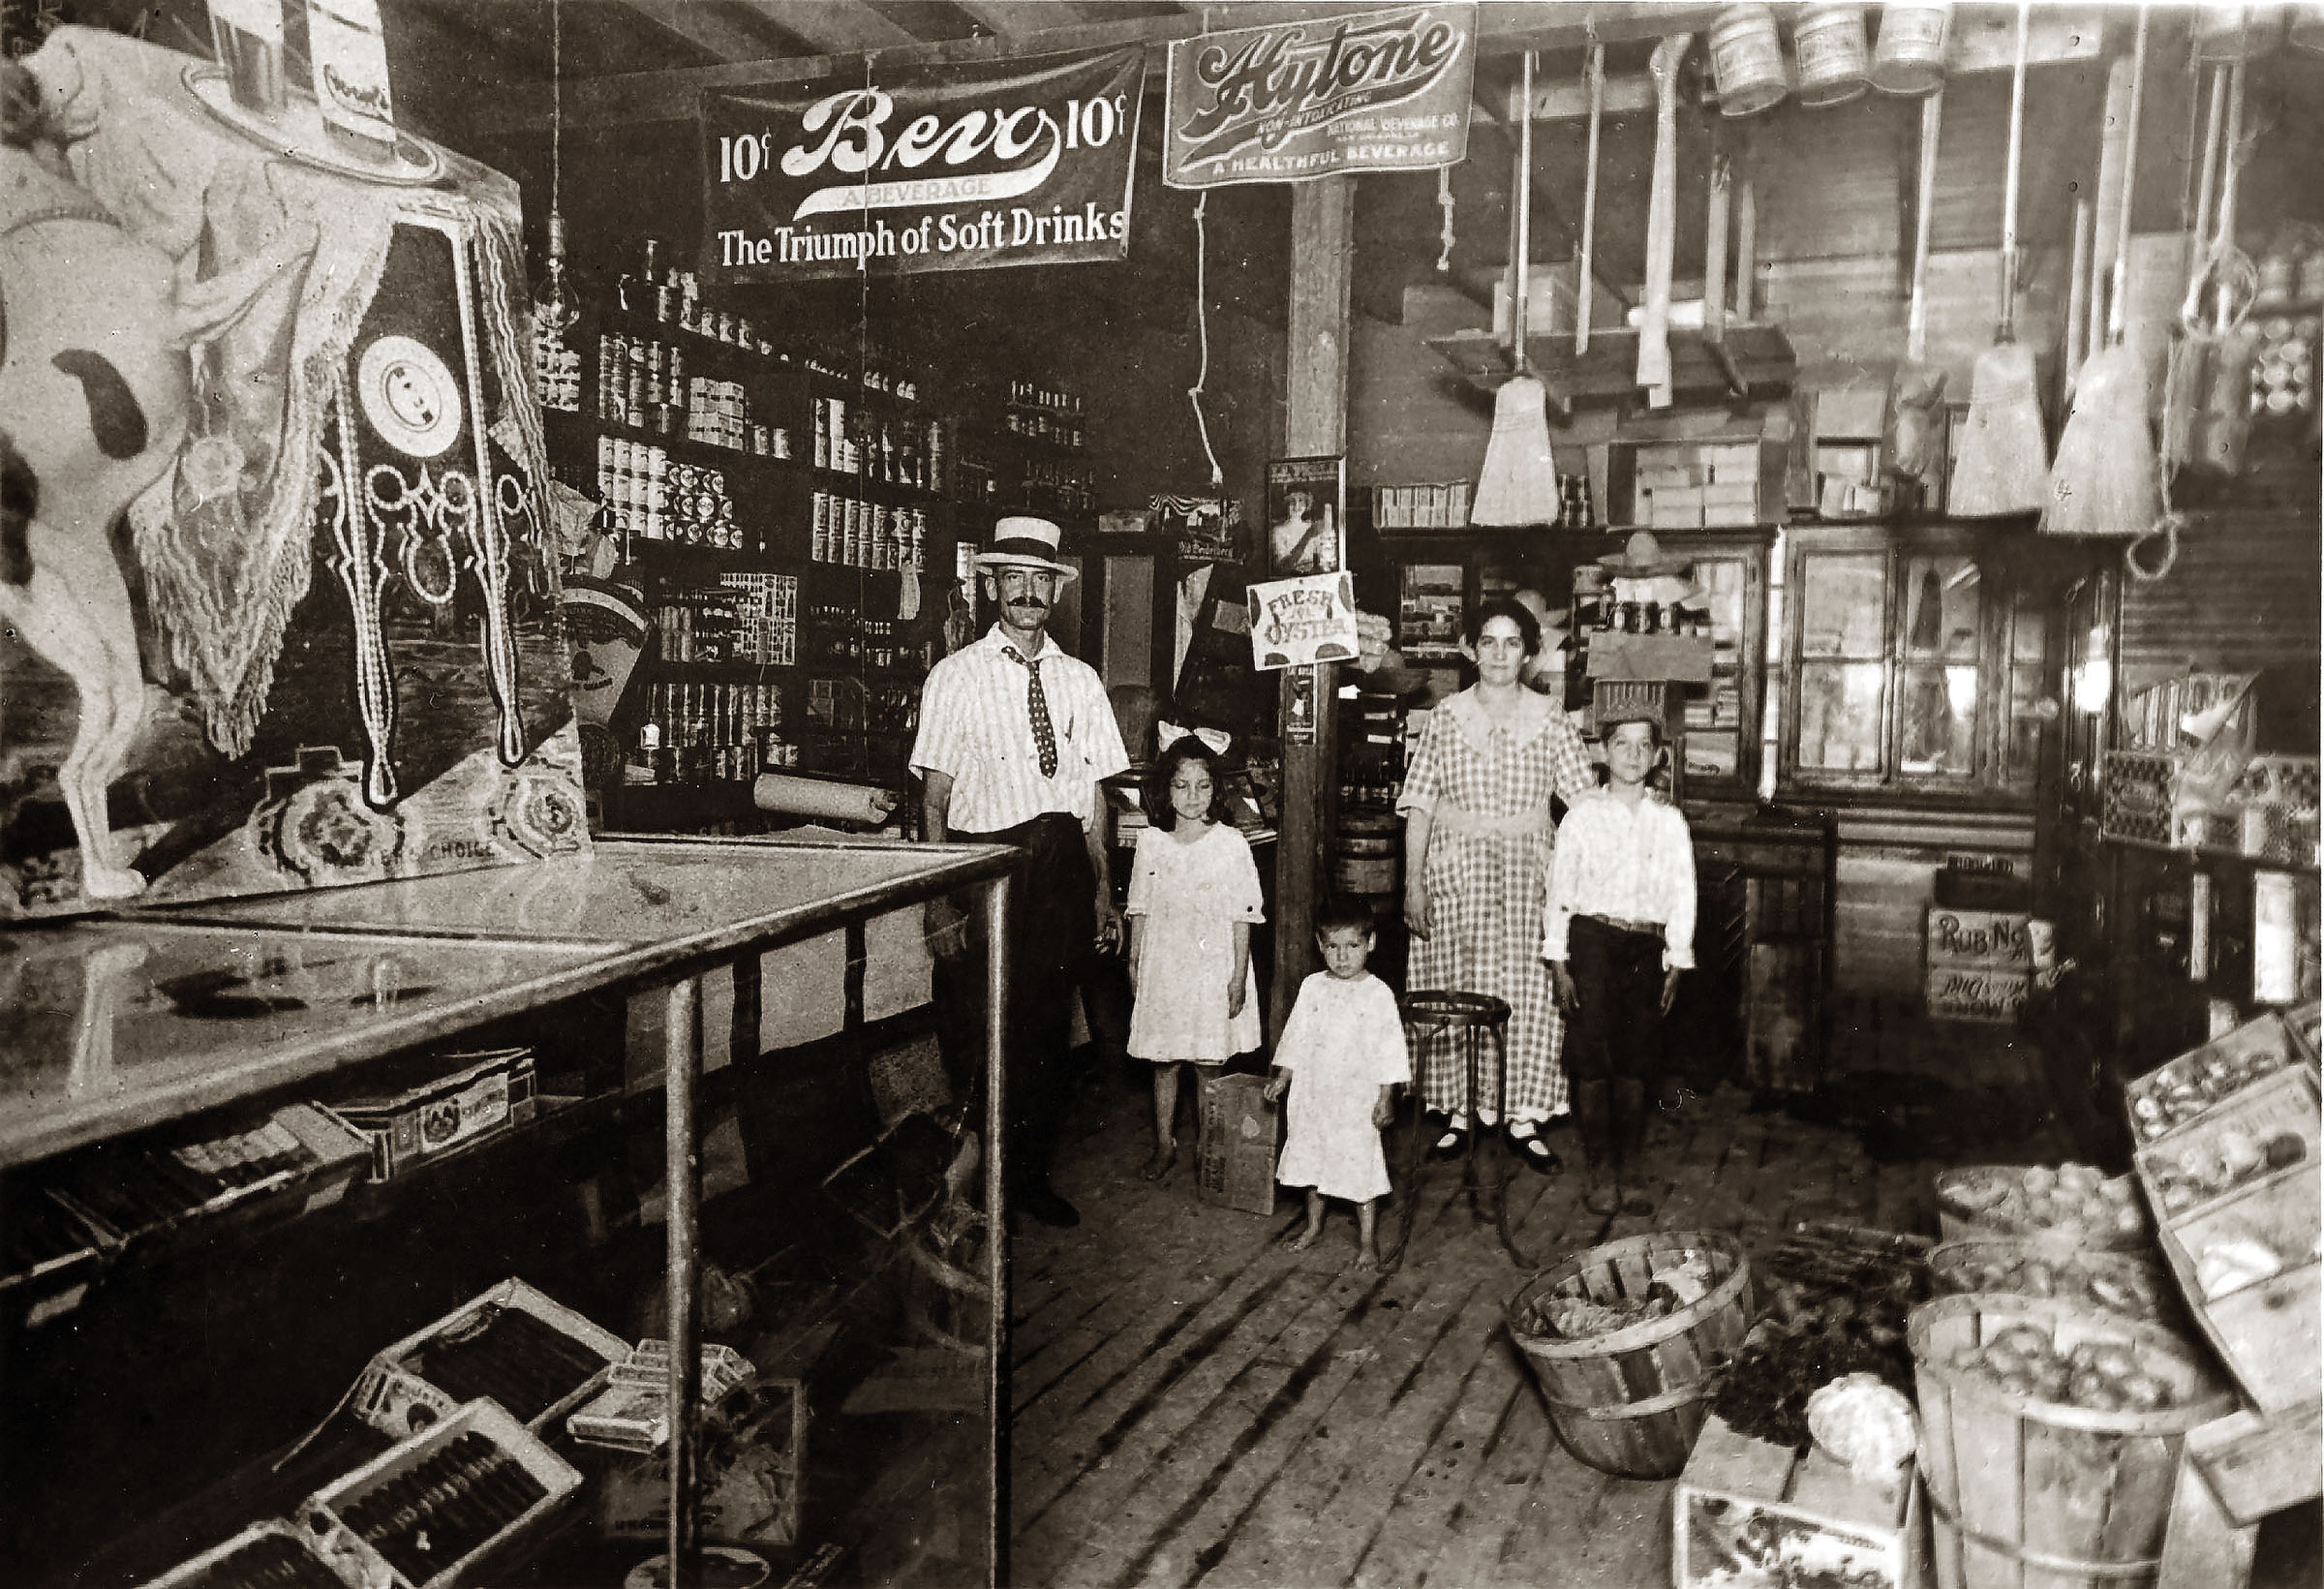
(666, 303)
(762, 440)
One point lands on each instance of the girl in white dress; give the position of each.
(1345, 1044)
(1194, 895)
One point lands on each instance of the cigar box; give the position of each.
(437, 1102)
(533, 1356)
(633, 1412)
(279, 1164)
(270, 1552)
(441, 1508)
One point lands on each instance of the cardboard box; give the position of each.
(1977, 940)
(1236, 1155)
(1976, 992)
(435, 1103)
(394, 1393)
(325, 1514)
(632, 1413)
(1749, 1514)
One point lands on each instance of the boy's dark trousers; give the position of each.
(1615, 1041)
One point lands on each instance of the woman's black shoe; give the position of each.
(1536, 1155)
(1450, 1143)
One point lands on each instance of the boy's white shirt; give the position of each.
(1627, 858)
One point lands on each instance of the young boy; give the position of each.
(1345, 1041)
(1619, 929)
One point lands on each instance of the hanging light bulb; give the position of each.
(555, 307)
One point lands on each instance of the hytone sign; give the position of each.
(959, 166)
(1382, 90)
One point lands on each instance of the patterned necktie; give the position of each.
(1045, 736)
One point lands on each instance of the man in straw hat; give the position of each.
(1013, 738)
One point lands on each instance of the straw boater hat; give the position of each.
(1025, 543)
(1641, 559)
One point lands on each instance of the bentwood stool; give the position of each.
(1472, 1020)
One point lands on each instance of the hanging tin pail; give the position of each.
(1909, 58)
(2308, 27)
(2228, 34)
(1829, 44)
(1747, 61)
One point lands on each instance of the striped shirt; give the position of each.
(1630, 862)
(976, 726)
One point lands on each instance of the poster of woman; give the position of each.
(1307, 516)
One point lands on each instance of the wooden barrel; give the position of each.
(1630, 1402)
(2030, 1495)
(1364, 856)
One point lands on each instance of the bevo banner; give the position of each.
(956, 167)
(1383, 90)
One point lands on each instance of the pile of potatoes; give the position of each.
(2118, 1285)
(2097, 1376)
(2075, 1201)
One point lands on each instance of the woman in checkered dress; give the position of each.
(1478, 831)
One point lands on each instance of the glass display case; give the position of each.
(1918, 668)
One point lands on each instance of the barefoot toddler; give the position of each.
(1343, 1055)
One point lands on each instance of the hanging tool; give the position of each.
(1917, 393)
(1589, 204)
(1714, 269)
(1662, 223)
(2223, 418)
(2105, 481)
(1517, 483)
(2003, 465)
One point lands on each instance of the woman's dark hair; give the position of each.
(1516, 612)
(1339, 911)
(1160, 812)
(23, 118)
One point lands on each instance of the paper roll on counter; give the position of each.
(827, 800)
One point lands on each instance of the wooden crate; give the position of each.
(2263, 1046)
(2267, 1333)
(1751, 1514)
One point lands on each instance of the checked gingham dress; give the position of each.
(1488, 872)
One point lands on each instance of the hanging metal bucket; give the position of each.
(1909, 58)
(1829, 44)
(1747, 61)
(2229, 34)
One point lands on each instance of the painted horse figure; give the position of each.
(95, 390)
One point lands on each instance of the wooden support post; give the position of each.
(1323, 256)
(682, 1072)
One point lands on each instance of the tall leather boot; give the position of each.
(1593, 1123)
(1630, 1145)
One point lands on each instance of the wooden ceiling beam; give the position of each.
(835, 27)
(1504, 27)
(1013, 18)
(710, 27)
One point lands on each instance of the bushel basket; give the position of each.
(1631, 1401)
(2033, 1494)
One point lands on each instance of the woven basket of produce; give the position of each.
(1621, 1337)
(2050, 1440)
(2071, 1208)
(2123, 1284)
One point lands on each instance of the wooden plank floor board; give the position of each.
(1200, 1404)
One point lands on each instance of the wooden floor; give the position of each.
(1196, 1403)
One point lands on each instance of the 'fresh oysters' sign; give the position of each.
(928, 167)
(1384, 90)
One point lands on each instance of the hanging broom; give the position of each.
(2105, 481)
(1517, 485)
(2003, 465)
(1917, 393)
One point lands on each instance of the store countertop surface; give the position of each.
(125, 1022)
